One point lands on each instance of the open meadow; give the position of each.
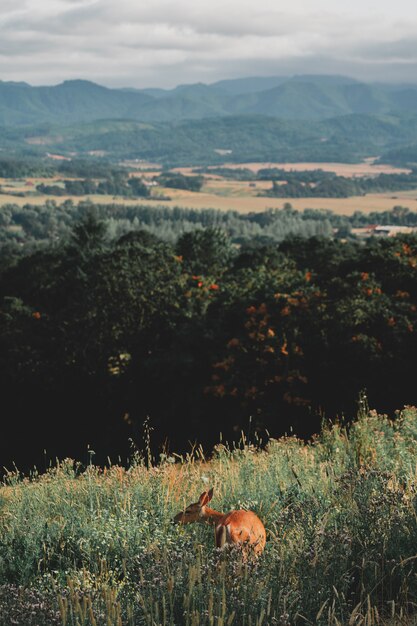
(85, 546)
(238, 195)
(367, 167)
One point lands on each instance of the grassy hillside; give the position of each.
(92, 547)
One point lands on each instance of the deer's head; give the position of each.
(195, 511)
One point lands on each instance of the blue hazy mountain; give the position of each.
(305, 97)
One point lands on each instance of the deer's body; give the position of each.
(241, 527)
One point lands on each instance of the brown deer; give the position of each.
(242, 528)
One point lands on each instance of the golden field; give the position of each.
(241, 196)
(368, 167)
(243, 204)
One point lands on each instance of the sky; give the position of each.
(163, 43)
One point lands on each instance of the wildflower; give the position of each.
(391, 321)
(36, 315)
(284, 349)
(200, 284)
(270, 332)
(308, 276)
(364, 276)
(214, 287)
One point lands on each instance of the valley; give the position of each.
(218, 192)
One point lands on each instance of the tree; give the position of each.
(205, 251)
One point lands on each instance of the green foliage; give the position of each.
(327, 185)
(116, 184)
(405, 156)
(179, 181)
(219, 140)
(205, 251)
(21, 168)
(114, 325)
(82, 545)
(27, 227)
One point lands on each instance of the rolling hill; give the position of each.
(215, 140)
(298, 97)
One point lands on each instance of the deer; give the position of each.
(241, 528)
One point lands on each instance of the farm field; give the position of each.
(225, 194)
(102, 549)
(234, 195)
(365, 168)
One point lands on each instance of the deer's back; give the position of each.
(241, 527)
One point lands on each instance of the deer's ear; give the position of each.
(204, 498)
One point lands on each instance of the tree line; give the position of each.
(198, 337)
(26, 228)
(325, 186)
(119, 184)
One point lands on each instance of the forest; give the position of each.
(29, 227)
(103, 329)
(197, 142)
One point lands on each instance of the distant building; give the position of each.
(391, 231)
(363, 232)
(379, 230)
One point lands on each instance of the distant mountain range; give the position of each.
(289, 98)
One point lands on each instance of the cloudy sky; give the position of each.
(143, 43)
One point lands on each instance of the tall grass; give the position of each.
(86, 546)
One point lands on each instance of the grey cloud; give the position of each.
(402, 49)
(165, 42)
